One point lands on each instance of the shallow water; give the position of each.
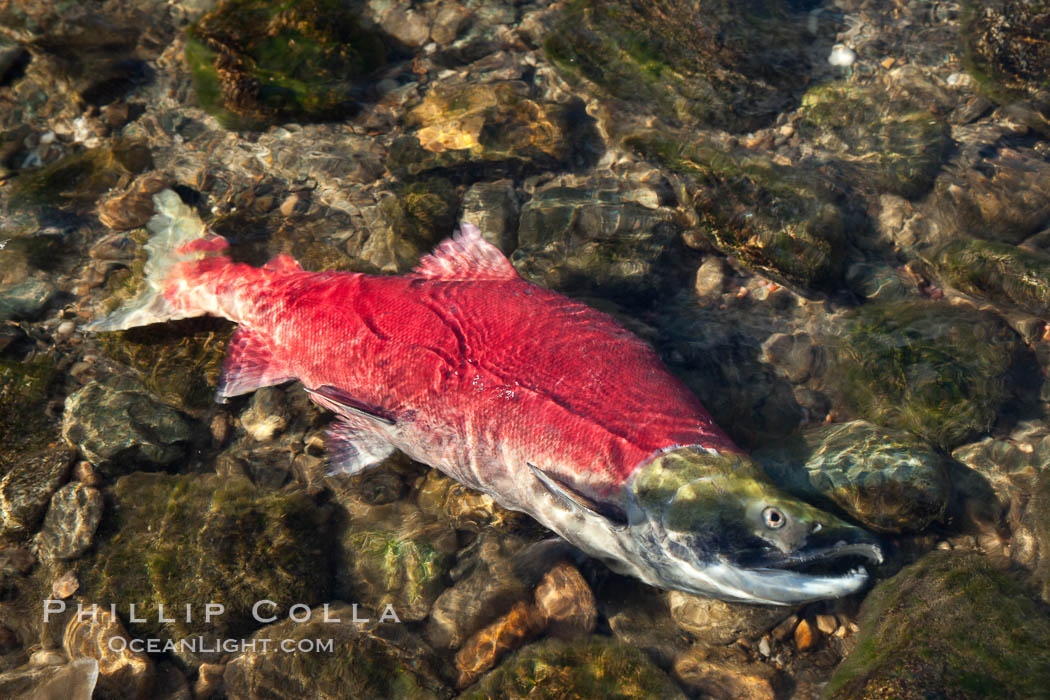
(831, 220)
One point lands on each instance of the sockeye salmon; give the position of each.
(549, 406)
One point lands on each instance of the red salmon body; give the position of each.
(472, 362)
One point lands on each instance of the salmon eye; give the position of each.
(773, 518)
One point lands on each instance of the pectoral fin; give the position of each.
(353, 448)
(577, 501)
(338, 401)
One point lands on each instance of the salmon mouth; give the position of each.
(840, 558)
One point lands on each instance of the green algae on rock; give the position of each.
(951, 625)
(495, 125)
(781, 222)
(178, 540)
(593, 239)
(1003, 274)
(179, 361)
(593, 667)
(931, 368)
(365, 660)
(77, 180)
(888, 480)
(25, 388)
(894, 144)
(258, 62)
(714, 63)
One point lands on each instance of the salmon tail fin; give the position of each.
(178, 235)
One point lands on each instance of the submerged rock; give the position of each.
(888, 480)
(1031, 543)
(714, 63)
(26, 486)
(464, 508)
(638, 616)
(259, 62)
(403, 227)
(566, 602)
(781, 222)
(121, 429)
(177, 540)
(122, 673)
(71, 521)
(1004, 274)
(725, 674)
(931, 368)
(488, 126)
(25, 300)
(1007, 50)
(894, 144)
(591, 238)
(481, 652)
(593, 667)
(70, 681)
(715, 622)
(951, 625)
(365, 660)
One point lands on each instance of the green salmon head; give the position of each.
(713, 524)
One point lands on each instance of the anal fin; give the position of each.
(353, 448)
(338, 401)
(249, 365)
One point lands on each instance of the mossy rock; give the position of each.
(178, 540)
(259, 62)
(887, 480)
(490, 126)
(77, 180)
(1006, 45)
(894, 144)
(179, 362)
(950, 626)
(366, 660)
(25, 388)
(930, 368)
(593, 667)
(781, 222)
(999, 272)
(715, 63)
(592, 240)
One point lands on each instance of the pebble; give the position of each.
(65, 329)
(842, 56)
(827, 623)
(724, 674)
(785, 628)
(565, 599)
(805, 637)
(47, 657)
(209, 681)
(86, 474)
(711, 277)
(765, 648)
(65, 585)
(71, 520)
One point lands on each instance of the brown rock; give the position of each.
(209, 681)
(724, 674)
(805, 636)
(134, 206)
(785, 628)
(565, 599)
(715, 622)
(65, 585)
(484, 649)
(827, 623)
(122, 674)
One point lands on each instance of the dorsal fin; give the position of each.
(282, 262)
(466, 256)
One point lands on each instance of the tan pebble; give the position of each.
(65, 329)
(1026, 447)
(853, 627)
(887, 63)
(827, 623)
(65, 585)
(842, 631)
(86, 474)
(944, 545)
(220, 428)
(264, 203)
(133, 207)
(209, 681)
(784, 629)
(288, 205)
(99, 635)
(565, 599)
(765, 647)
(47, 657)
(805, 636)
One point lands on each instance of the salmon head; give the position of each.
(712, 523)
